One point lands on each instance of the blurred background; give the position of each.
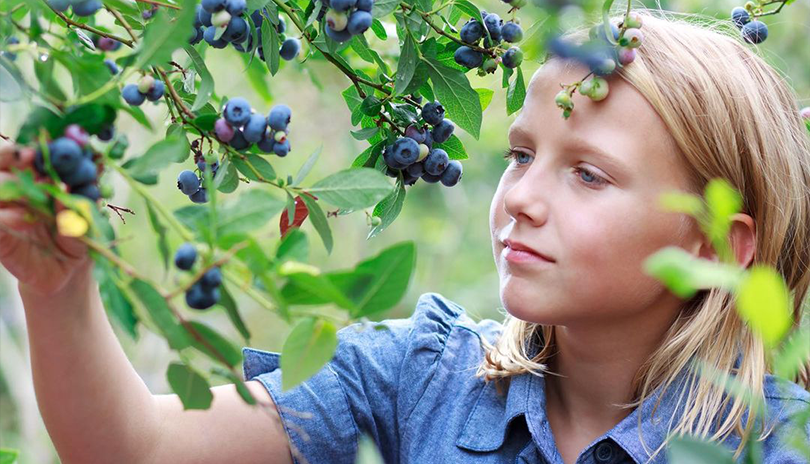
(449, 225)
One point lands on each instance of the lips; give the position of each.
(515, 245)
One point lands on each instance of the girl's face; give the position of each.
(595, 216)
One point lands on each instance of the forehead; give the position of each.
(624, 124)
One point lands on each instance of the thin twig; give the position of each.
(123, 22)
(155, 2)
(87, 28)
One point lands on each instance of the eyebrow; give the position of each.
(620, 167)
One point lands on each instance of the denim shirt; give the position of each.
(413, 390)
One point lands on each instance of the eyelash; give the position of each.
(511, 155)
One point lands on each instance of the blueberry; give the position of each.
(289, 49)
(405, 151)
(436, 162)
(364, 5)
(266, 143)
(76, 133)
(188, 183)
(90, 191)
(279, 117)
(598, 31)
(156, 93)
(65, 155)
(388, 157)
(200, 196)
(132, 95)
(428, 139)
(493, 25)
(87, 7)
(208, 36)
(282, 26)
(442, 131)
(512, 32)
(471, 32)
(202, 165)
(342, 5)
(337, 20)
(106, 133)
(196, 36)
(416, 169)
(111, 66)
(212, 6)
(147, 14)
(632, 38)
(255, 127)
(338, 36)
(236, 30)
(211, 279)
(359, 22)
(235, 7)
(627, 55)
(257, 17)
(185, 256)
(452, 175)
(408, 179)
(198, 297)
(740, 17)
(237, 111)
(433, 113)
(59, 5)
(238, 141)
(416, 133)
(468, 57)
(514, 56)
(84, 173)
(223, 130)
(430, 178)
(203, 17)
(281, 148)
(106, 43)
(755, 32)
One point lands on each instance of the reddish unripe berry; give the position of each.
(223, 130)
(76, 133)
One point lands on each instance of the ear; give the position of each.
(743, 237)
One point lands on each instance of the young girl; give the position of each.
(591, 362)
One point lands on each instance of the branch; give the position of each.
(155, 2)
(225, 258)
(123, 22)
(87, 28)
(440, 31)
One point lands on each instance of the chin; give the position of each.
(526, 302)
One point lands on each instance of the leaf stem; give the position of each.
(87, 28)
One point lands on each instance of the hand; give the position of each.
(32, 250)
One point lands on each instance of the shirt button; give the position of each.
(604, 452)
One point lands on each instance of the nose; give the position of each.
(527, 199)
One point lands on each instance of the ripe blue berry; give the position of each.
(255, 127)
(512, 57)
(211, 279)
(364, 5)
(452, 175)
(740, 17)
(198, 297)
(442, 131)
(209, 36)
(338, 36)
(388, 157)
(65, 155)
(111, 66)
(512, 32)
(430, 178)
(212, 6)
(436, 161)
(106, 133)
(187, 182)
(471, 32)
(289, 49)
(59, 5)
(185, 256)
(238, 141)
(237, 30)
(359, 22)
(132, 95)
(342, 5)
(84, 173)
(266, 143)
(468, 57)
(279, 117)
(416, 133)
(493, 25)
(433, 113)
(87, 7)
(237, 111)
(203, 17)
(405, 151)
(235, 7)
(200, 196)
(755, 32)
(196, 36)
(156, 92)
(89, 191)
(281, 148)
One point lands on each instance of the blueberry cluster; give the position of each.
(228, 14)
(241, 126)
(147, 88)
(105, 43)
(80, 7)
(191, 184)
(493, 31)
(205, 292)
(753, 32)
(72, 159)
(347, 18)
(414, 155)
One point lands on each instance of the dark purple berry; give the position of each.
(433, 113)
(185, 256)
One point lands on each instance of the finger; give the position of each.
(6, 177)
(25, 158)
(15, 219)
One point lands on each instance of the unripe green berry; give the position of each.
(632, 38)
(423, 152)
(220, 18)
(337, 20)
(563, 100)
(750, 6)
(490, 65)
(597, 88)
(145, 84)
(633, 21)
(106, 190)
(280, 136)
(375, 221)
(518, 3)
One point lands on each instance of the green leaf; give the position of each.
(8, 456)
(684, 274)
(250, 211)
(352, 188)
(516, 93)
(454, 148)
(469, 9)
(388, 275)
(167, 32)
(319, 287)
(485, 95)
(691, 450)
(192, 388)
(160, 231)
(254, 167)
(365, 134)
(161, 155)
(318, 219)
(367, 451)
(384, 7)
(307, 166)
(294, 246)
(794, 354)
(379, 29)
(271, 46)
(219, 348)
(763, 302)
(460, 101)
(227, 301)
(13, 84)
(408, 59)
(680, 202)
(310, 345)
(206, 80)
(388, 209)
(226, 180)
(116, 303)
(722, 201)
(161, 314)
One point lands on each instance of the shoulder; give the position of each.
(788, 410)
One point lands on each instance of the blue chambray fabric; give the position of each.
(413, 389)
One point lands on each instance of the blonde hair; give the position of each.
(732, 116)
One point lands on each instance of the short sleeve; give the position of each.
(371, 384)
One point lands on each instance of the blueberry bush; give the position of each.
(408, 107)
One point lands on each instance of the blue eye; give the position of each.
(589, 177)
(510, 154)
